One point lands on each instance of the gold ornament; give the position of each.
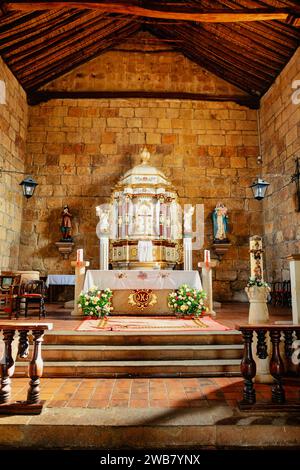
(142, 298)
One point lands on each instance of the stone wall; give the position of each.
(13, 128)
(280, 135)
(144, 65)
(207, 149)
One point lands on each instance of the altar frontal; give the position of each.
(141, 292)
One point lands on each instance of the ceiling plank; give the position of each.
(171, 13)
(72, 58)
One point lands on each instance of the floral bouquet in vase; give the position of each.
(95, 302)
(187, 301)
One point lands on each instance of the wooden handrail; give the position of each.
(33, 404)
(277, 370)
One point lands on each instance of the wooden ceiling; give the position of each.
(245, 42)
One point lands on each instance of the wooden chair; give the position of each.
(9, 292)
(32, 296)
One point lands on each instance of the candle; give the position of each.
(207, 258)
(80, 255)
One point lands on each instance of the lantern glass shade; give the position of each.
(259, 188)
(28, 185)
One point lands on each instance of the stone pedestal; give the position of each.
(295, 286)
(259, 314)
(65, 248)
(79, 281)
(220, 249)
(206, 277)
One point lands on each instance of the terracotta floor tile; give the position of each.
(139, 404)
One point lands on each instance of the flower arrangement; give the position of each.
(254, 281)
(95, 303)
(187, 301)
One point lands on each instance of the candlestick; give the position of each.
(207, 258)
(79, 258)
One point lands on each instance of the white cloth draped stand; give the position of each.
(156, 279)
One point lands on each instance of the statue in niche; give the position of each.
(143, 219)
(103, 225)
(220, 223)
(188, 216)
(66, 225)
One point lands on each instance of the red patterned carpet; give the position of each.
(115, 323)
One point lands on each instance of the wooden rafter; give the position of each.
(36, 97)
(71, 57)
(159, 12)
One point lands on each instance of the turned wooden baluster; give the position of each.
(261, 348)
(23, 349)
(8, 368)
(35, 368)
(248, 369)
(276, 368)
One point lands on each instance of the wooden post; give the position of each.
(277, 368)
(35, 369)
(8, 367)
(248, 369)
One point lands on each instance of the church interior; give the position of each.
(150, 224)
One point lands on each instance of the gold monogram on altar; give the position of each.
(142, 298)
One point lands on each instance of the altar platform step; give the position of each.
(113, 338)
(130, 354)
(141, 368)
(141, 353)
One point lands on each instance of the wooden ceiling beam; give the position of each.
(37, 97)
(168, 12)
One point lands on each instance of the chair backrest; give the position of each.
(34, 287)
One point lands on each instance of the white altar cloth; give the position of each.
(156, 279)
(60, 280)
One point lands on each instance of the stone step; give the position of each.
(176, 368)
(129, 353)
(142, 338)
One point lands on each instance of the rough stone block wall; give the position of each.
(13, 128)
(280, 136)
(80, 148)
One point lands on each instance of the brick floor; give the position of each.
(143, 393)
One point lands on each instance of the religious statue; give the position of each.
(104, 221)
(103, 225)
(187, 224)
(66, 225)
(220, 223)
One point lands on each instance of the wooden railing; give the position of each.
(289, 333)
(32, 405)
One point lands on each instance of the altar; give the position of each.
(145, 244)
(143, 292)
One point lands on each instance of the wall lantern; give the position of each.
(28, 184)
(259, 188)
